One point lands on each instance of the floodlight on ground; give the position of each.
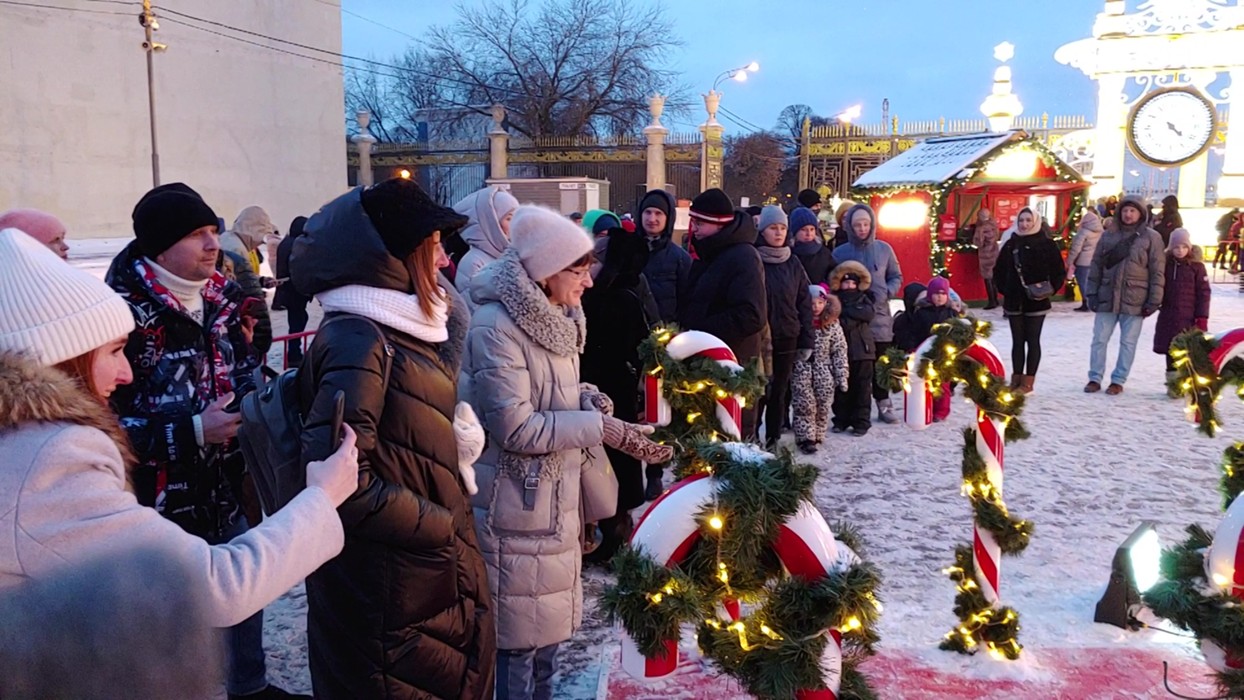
(1133, 571)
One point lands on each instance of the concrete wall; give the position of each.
(241, 124)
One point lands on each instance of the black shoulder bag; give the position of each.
(1038, 291)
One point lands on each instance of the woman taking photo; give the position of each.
(404, 611)
(1026, 260)
(65, 477)
(521, 373)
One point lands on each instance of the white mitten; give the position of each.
(471, 440)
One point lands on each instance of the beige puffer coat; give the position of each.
(521, 374)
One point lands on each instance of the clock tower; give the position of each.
(1168, 75)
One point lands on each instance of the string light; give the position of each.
(715, 522)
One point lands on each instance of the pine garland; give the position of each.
(692, 388)
(944, 366)
(1184, 595)
(776, 650)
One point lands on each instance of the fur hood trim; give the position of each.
(31, 393)
(835, 277)
(560, 331)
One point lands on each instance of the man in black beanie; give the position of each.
(726, 288)
(810, 199)
(191, 355)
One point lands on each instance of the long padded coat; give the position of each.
(521, 374)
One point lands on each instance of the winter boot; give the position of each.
(1172, 390)
(885, 411)
(655, 488)
(1026, 382)
(991, 293)
(1017, 380)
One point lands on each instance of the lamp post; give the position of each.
(711, 149)
(1002, 106)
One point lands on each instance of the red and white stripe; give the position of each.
(805, 546)
(1230, 346)
(918, 413)
(695, 344)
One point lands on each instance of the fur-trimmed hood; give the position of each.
(835, 277)
(31, 393)
(560, 331)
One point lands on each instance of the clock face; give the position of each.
(1171, 127)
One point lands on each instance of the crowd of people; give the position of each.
(490, 441)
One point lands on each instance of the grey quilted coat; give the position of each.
(521, 374)
(1135, 285)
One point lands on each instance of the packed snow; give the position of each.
(1094, 468)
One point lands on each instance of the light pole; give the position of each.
(711, 149)
(148, 21)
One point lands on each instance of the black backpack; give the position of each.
(271, 430)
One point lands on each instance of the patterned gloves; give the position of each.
(631, 439)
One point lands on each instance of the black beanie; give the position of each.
(713, 206)
(809, 198)
(655, 199)
(167, 214)
(405, 216)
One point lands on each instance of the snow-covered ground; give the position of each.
(1095, 467)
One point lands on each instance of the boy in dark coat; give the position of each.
(932, 308)
(1185, 303)
(850, 282)
(906, 335)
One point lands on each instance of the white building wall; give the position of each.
(239, 123)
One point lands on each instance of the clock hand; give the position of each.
(1171, 126)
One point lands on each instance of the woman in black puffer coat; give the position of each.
(617, 322)
(790, 316)
(1028, 257)
(404, 611)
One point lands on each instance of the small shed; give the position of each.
(927, 200)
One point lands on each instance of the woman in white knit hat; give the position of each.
(64, 482)
(521, 373)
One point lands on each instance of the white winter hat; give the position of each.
(546, 242)
(51, 310)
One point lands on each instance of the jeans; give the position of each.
(1129, 334)
(526, 674)
(1082, 275)
(246, 663)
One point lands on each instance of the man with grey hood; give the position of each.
(488, 234)
(878, 257)
(1126, 283)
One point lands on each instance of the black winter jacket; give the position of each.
(181, 367)
(858, 309)
(668, 266)
(790, 304)
(286, 296)
(1040, 260)
(404, 611)
(817, 259)
(726, 289)
(927, 315)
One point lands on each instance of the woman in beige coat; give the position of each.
(521, 374)
(64, 480)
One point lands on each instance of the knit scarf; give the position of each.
(560, 330)
(774, 256)
(808, 248)
(391, 308)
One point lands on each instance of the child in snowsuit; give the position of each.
(934, 307)
(815, 380)
(852, 408)
(1185, 303)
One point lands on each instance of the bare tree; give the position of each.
(753, 164)
(566, 67)
(365, 90)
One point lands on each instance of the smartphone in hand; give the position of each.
(339, 414)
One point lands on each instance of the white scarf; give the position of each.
(189, 293)
(391, 308)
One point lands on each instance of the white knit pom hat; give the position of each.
(51, 310)
(546, 242)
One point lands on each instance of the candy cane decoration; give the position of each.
(1230, 345)
(805, 546)
(684, 346)
(1224, 569)
(918, 413)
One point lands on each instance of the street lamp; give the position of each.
(1002, 106)
(737, 74)
(850, 114)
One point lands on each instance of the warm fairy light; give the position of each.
(656, 598)
(715, 522)
(853, 623)
(691, 417)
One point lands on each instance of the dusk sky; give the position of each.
(931, 59)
